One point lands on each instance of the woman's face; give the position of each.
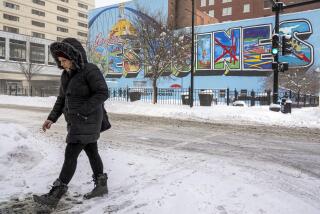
(65, 63)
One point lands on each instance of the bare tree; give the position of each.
(161, 46)
(29, 69)
(303, 80)
(33, 64)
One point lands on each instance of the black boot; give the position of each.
(100, 186)
(52, 198)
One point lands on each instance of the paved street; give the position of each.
(288, 159)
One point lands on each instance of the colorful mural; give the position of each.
(300, 30)
(227, 50)
(232, 49)
(204, 52)
(256, 53)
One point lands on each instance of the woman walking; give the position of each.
(83, 91)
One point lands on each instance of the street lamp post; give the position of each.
(192, 57)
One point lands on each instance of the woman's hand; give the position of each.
(46, 125)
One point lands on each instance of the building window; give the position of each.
(62, 29)
(62, 19)
(11, 5)
(40, 2)
(226, 1)
(211, 13)
(82, 24)
(38, 24)
(66, 1)
(246, 8)
(17, 50)
(37, 53)
(51, 60)
(2, 48)
(10, 17)
(38, 12)
(83, 15)
(227, 11)
(59, 39)
(83, 6)
(82, 34)
(203, 3)
(267, 4)
(211, 2)
(65, 10)
(38, 35)
(10, 29)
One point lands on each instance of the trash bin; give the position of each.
(205, 98)
(185, 99)
(134, 95)
(286, 105)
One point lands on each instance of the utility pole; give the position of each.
(192, 57)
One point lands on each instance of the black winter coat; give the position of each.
(81, 96)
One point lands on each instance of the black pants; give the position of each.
(71, 156)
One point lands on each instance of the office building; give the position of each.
(27, 28)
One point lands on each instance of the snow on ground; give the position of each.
(303, 117)
(149, 181)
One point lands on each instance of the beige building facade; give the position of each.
(27, 28)
(46, 19)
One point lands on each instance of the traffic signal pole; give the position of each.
(276, 8)
(300, 4)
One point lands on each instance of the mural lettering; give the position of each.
(300, 30)
(237, 51)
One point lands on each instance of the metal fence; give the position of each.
(201, 97)
(208, 97)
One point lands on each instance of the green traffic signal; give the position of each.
(274, 51)
(275, 44)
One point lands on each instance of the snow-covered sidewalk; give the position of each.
(303, 117)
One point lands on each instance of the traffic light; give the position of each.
(286, 45)
(275, 44)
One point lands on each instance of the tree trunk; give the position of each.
(155, 91)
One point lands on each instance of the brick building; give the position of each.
(230, 10)
(180, 14)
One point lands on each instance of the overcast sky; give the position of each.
(101, 3)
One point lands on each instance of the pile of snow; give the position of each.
(303, 117)
(21, 155)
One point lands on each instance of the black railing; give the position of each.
(201, 97)
(208, 97)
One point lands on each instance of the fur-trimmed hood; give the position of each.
(72, 48)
